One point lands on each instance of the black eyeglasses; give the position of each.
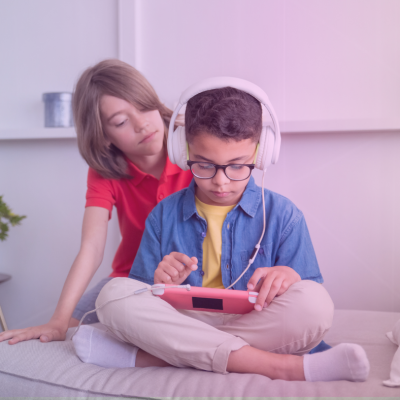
(234, 172)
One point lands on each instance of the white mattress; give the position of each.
(34, 369)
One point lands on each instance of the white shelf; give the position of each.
(356, 125)
(287, 127)
(37, 133)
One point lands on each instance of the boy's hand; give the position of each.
(274, 281)
(175, 268)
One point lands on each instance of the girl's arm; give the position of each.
(94, 234)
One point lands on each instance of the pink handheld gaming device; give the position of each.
(186, 297)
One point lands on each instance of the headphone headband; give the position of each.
(218, 83)
(237, 83)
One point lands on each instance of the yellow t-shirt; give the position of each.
(212, 245)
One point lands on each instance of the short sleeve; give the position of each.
(100, 191)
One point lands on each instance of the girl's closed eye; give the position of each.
(121, 123)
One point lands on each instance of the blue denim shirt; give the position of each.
(174, 225)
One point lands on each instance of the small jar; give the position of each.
(58, 110)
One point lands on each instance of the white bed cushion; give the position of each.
(34, 369)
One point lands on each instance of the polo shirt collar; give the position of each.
(139, 175)
(249, 202)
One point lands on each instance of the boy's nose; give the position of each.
(220, 178)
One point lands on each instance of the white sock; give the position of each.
(95, 346)
(346, 361)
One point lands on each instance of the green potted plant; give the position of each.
(7, 219)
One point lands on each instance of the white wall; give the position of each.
(330, 64)
(324, 61)
(45, 46)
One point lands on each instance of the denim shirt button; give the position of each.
(261, 251)
(203, 234)
(201, 273)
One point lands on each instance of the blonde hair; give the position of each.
(118, 79)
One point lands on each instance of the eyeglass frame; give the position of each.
(217, 167)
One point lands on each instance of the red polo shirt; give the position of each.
(133, 199)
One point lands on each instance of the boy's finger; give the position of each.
(184, 259)
(161, 277)
(274, 289)
(188, 271)
(191, 268)
(171, 271)
(173, 262)
(257, 275)
(264, 291)
(184, 269)
(258, 286)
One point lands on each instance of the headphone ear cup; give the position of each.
(179, 148)
(266, 148)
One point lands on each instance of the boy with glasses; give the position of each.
(204, 236)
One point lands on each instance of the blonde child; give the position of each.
(121, 127)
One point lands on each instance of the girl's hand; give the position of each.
(272, 282)
(94, 234)
(175, 268)
(47, 333)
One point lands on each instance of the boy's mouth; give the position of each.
(220, 194)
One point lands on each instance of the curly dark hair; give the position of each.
(227, 113)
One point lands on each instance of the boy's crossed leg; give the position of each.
(183, 341)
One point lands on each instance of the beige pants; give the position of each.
(293, 323)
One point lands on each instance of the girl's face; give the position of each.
(136, 133)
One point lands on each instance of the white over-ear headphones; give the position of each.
(270, 140)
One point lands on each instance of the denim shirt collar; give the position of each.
(249, 201)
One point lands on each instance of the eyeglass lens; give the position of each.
(234, 172)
